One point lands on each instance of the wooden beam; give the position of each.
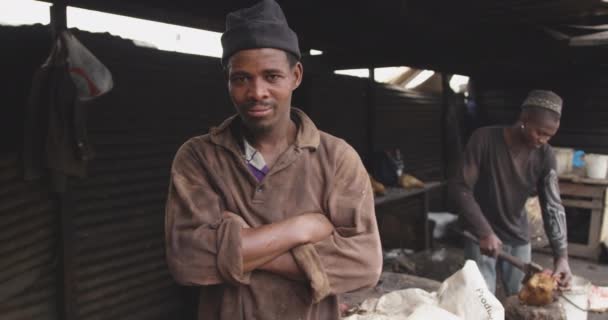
(66, 298)
(58, 17)
(445, 105)
(371, 117)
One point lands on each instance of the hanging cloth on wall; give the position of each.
(55, 137)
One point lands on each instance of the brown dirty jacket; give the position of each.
(318, 173)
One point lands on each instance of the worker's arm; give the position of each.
(462, 196)
(351, 257)
(285, 265)
(260, 246)
(203, 246)
(554, 218)
(310, 228)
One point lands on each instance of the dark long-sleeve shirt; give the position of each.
(491, 188)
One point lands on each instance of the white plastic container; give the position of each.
(596, 165)
(564, 159)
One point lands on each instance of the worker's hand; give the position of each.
(314, 227)
(562, 272)
(490, 245)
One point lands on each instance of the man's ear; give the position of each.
(298, 73)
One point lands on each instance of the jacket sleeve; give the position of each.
(202, 246)
(462, 187)
(351, 258)
(554, 214)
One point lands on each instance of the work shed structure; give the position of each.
(95, 249)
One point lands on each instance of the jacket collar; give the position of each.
(228, 134)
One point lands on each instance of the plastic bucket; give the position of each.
(596, 165)
(564, 159)
(576, 298)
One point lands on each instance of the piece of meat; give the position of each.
(408, 181)
(377, 187)
(538, 290)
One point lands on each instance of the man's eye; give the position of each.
(238, 79)
(273, 77)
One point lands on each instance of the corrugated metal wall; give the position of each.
(584, 122)
(114, 231)
(28, 212)
(338, 105)
(411, 122)
(28, 238)
(160, 100)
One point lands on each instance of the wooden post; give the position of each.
(65, 267)
(371, 118)
(445, 107)
(428, 234)
(65, 245)
(58, 17)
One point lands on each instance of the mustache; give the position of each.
(251, 104)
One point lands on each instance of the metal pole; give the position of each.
(65, 244)
(371, 117)
(445, 109)
(58, 17)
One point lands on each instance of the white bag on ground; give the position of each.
(404, 302)
(463, 296)
(431, 312)
(466, 294)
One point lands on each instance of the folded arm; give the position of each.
(267, 247)
(351, 257)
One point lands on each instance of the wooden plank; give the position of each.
(595, 227)
(581, 190)
(593, 204)
(594, 39)
(393, 194)
(578, 179)
(371, 116)
(604, 229)
(426, 232)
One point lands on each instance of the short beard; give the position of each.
(253, 127)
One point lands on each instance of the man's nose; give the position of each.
(258, 90)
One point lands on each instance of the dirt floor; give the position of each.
(594, 271)
(447, 257)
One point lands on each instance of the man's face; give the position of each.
(260, 83)
(539, 130)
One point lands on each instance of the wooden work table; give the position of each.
(403, 217)
(585, 196)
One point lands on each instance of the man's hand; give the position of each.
(490, 245)
(562, 272)
(313, 227)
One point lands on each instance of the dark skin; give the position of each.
(261, 83)
(533, 129)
